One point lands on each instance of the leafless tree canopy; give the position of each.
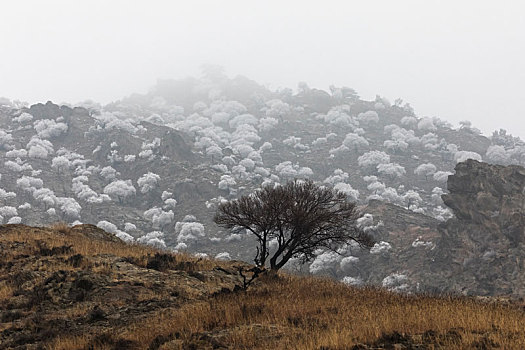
(300, 215)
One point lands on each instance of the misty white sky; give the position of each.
(453, 59)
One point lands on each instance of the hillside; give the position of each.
(82, 288)
(152, 168)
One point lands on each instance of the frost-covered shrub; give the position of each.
(498, 154)
(325, 262)
(16, 153)
(189, 230)
(148, 182)
(295, 142)
(426, 124)
(23, 118)
(319, 142)
(338, 176)
(381, 248)
(354, 141)
(109, 121)
(352, 281)
(426, 170)
(17, 166)
(266, 146)
(49, 128)
(158, 217)
(14, 220)
(148, 149)
(338, 116)
(373, 158)
(409, 121)
(223, 256)
(60, 163)
(462, 156)
(25, 206)
(29, 183)
(441, 176)
(442, 214)
(120, 189)
(368, 117)
(85, 193)
(437, 192)
(396, 282)
(348, 262)
(37, 151)
(243, 119)
(129, 158)
(5, 140)
(411, 197)
(419, 243)
(227, 183)
(38, 148)
(8, 211)
(395, 145)
(277, 108)
(69, 207)
(267, 124)
(108, 173)
(391, 169)
(347, 189)
(154, 238)
(112, 228)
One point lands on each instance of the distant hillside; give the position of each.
(83, 288)
(152, 168)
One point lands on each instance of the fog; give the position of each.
(455, 60)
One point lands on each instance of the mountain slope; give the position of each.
(152, 168)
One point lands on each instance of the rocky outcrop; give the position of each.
(489, 196)
(481, 251)
(484, 245)
(83, 280)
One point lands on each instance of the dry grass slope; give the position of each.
(79, 288)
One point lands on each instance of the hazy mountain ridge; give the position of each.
(204, 140)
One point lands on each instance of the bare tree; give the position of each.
(301, 216)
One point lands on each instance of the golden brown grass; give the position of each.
(60, 234)
(6, 291)
(313, 313)
(286, 312)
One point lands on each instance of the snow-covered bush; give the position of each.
(49, 128)
(112, 228)
(355, 142)
(120, 189)
(23, 118)
(347, 189)
(189, 230)
(148, 182)
(223, 256)
(462, 156)
(441, 176)
(391, 169)
(426, 124)
(373, 158)
(498, 154)
(426, 170)
(368, 117)
(325, 262)
(381, 248)
(396, 282)
(154, 238)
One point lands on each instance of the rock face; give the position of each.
(481, 251)
(484, 245)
